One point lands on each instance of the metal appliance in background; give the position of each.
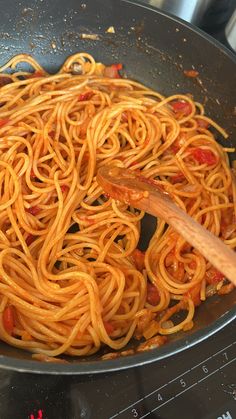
(209, 15)
(192, 11)
(230, 31)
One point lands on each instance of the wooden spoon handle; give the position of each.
(129, 187)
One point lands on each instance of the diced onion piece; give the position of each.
(46, 358)
(111, 29)
(92, 36)
(167, 324)
(151, 330)
(152, 343)
(127, 352)
(77, 68)
(110, 355)
(211, 290)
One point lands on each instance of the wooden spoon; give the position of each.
(140, 192)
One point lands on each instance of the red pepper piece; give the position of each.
(191, 73)
(85, 96)
(8, 320)
(64, 188)
(133, 163)
(3, 122)
(33, 210)
(192, 264)
(204, 156)
(138, 257)
(112, 71)
(180, 106)
(179, 177)
(174, 148)
(29, 240)
(153, 296)
(32, 174)
(109, 327)
(202, 123)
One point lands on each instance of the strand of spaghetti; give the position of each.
(71, 276)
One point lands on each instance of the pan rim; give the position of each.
(193, 28)
(122, 363)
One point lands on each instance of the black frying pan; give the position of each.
(155, 48)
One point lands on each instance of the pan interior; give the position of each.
(155, 49)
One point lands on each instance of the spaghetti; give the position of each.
(71, 275)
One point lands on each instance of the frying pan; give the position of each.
(155, 48)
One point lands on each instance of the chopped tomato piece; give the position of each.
(32, 174)
(64, 188)
(204, 156)
(112, 71)
(192, 264)
(118, 66)
(138, 257)
(202, 123)
(3, 122)
(133, 163)
(86, 155)
(33, 210)
(5, 80)
(194, 294)
(180, 106)
(213, 276)
(85, 96)
(30, 239)
(109, 327)
(179, 177)
(86, 219)
(8, 319)
(191, 73)
(153, 296)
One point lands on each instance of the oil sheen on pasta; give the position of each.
(71, 276)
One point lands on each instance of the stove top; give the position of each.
(199, 383)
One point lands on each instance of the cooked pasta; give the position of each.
(72, 277)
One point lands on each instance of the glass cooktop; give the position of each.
(199, 383)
